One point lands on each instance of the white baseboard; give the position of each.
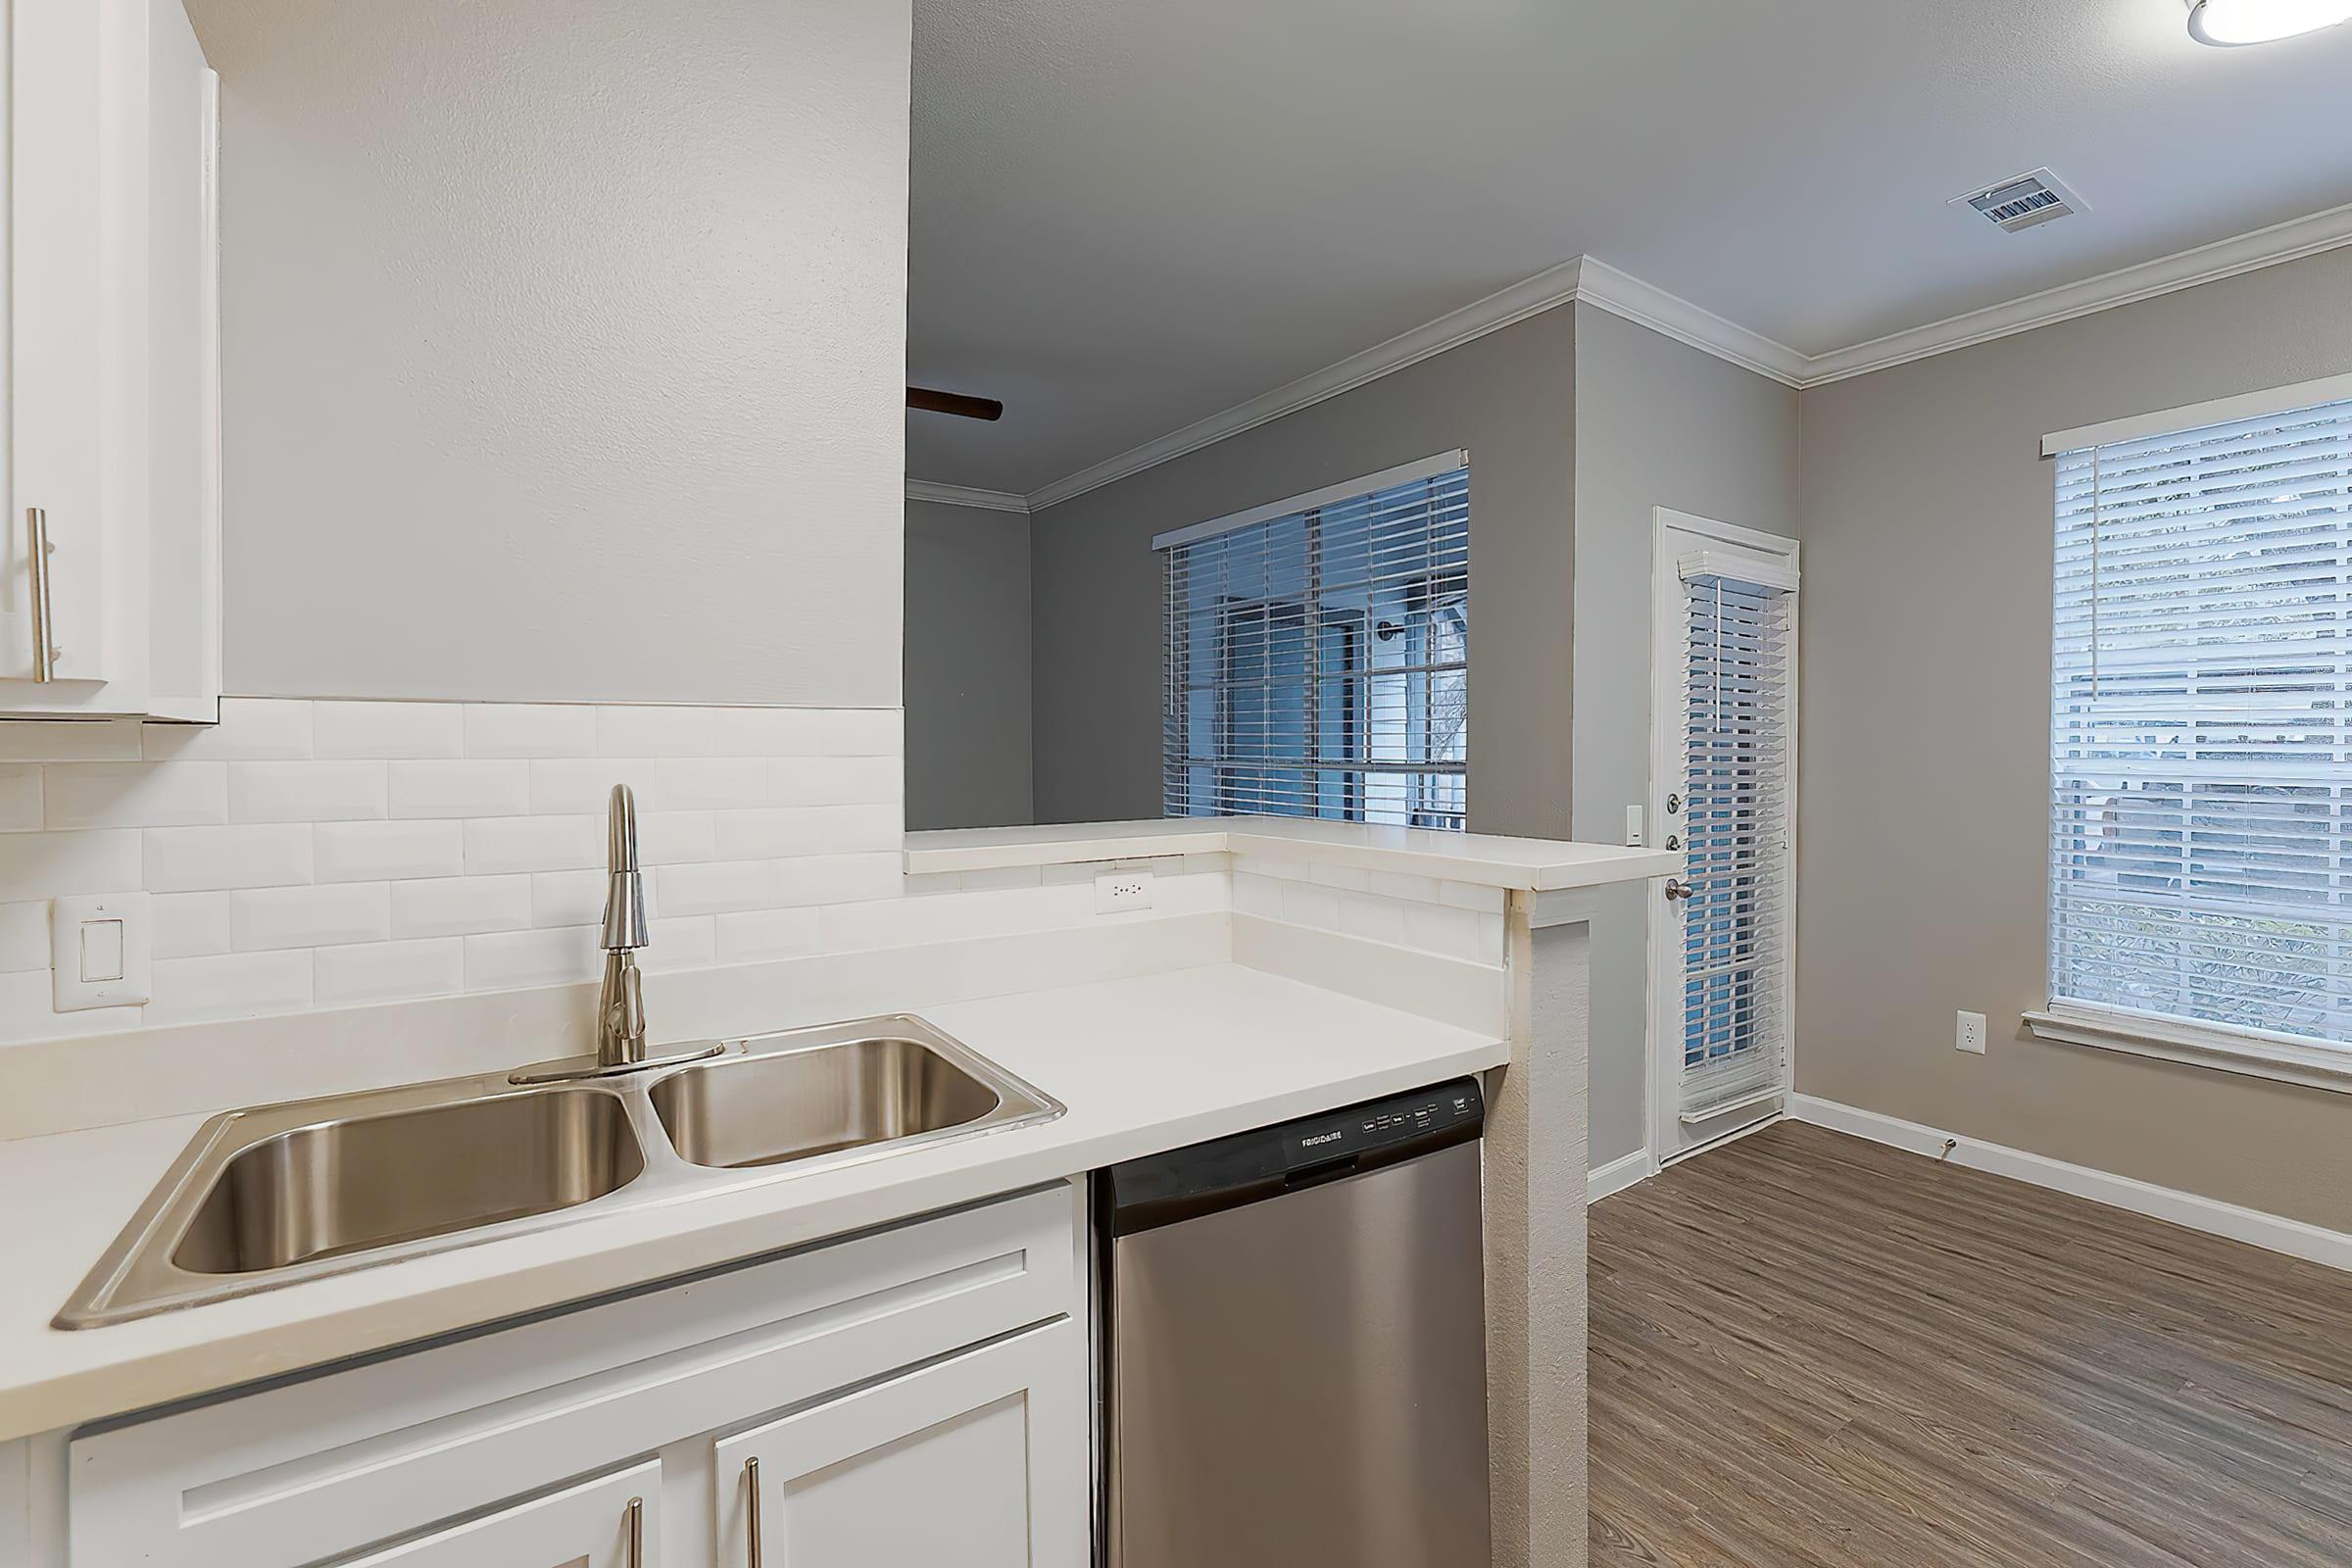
(2273, 1232)
(1617, 1175)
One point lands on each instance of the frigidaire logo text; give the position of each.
(1332, 1137)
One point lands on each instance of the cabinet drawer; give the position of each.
(614, 1521)
(289, 1475)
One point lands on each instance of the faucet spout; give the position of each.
(621, 1007)
(620, 1037)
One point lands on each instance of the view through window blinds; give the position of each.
(1319, 662)
(2201, 731)
(1736, 818)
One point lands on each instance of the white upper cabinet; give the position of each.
(110, 556)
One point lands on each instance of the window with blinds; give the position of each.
(1317, 653)
(2201, 725)
(1735, 827)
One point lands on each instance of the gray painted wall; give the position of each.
(968, 667)
(1925, 753)
(1509, 398)
(563, 348)
(1659, 423)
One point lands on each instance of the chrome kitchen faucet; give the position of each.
(621, 1003)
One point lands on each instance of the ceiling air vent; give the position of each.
(2025, 202)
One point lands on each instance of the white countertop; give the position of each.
(1485, 859)
(1144, 1064)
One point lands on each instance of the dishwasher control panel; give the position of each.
(1345, 1134)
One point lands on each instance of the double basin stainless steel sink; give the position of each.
(276, 1193)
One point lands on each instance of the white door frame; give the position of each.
(1673, 533)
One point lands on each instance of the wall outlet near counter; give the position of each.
(1122, 892)
(1970, 1033)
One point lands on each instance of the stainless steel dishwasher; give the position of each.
(1293, 1337)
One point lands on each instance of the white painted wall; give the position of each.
(563, 343)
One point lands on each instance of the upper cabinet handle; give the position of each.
(751, 1482)
(44, 618)
(636, 1533)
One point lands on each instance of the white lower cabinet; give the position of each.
(915, 1396)
(980, 1462)
(614, 1521)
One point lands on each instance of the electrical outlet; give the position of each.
(1122, 892)
(1971, 1034)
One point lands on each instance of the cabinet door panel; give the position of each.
(980, 1460)
(66, 169)
(586, 1526)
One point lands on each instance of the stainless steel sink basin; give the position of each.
(824, 1099)
(277, 1194)
(363, 1182)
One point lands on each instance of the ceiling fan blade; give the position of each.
(955, 403)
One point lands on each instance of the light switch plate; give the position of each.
(101, 950)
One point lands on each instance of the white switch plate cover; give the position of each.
(81, 935)
(1120, 892)
(1970, 1034)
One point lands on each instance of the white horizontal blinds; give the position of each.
(2201, 729)
(1318, 663)
(1736, 828)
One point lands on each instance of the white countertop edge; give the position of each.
(1481, 859)
(44, 1385)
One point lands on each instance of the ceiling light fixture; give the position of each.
(2229, 22)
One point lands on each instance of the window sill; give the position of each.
(2277, 1057)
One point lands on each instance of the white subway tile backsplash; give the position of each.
(388, 729)
(30, 995)
(251, 730)
(41, 865)
(778, 831)
(230, 985)
(191, 925)
(25, 936)
(200, 860)
(388, 851)
(461, 906)
(497, 846)
(835, 878)
(310, 917)
(111, 795)
(755, 935)
(335, 853)
(570, 897)
(712, 887)
(70, 741)
(668, 838)
(647, 731)
(505, 959)
(685, 943)
(305, 792)
(468, 788)
(388, 971)
(20, 798)
(529, 729)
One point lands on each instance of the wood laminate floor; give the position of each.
(1811, 1349)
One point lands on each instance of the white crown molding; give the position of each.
(957, 495)
(1645, 305)
(1605, 288)
(2205, 264)
(1553, 286)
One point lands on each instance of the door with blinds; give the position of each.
(1724, 740)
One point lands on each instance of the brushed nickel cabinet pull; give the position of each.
(636, 1533)
(751, 1482)
(44, 623)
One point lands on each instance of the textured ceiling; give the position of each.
(1130, 213)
